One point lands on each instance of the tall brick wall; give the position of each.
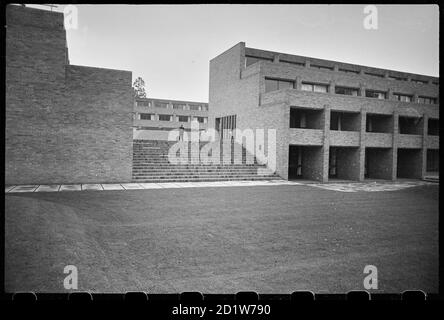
(64, 123)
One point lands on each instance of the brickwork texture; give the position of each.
(64, 123)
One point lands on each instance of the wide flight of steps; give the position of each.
(151, 164)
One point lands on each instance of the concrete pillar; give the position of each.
(425, 121)
(395, 134)
(325, 154)
(363, 119)
(276, 58)
(332, 87)
(390, 94)
(307, 63)
(362, 90)
(298, 83)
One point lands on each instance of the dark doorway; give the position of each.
(432, 160)
(295, 163)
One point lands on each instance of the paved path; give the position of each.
(342, 186)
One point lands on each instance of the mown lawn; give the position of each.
(275, 239)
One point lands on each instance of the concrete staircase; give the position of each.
(151, 164)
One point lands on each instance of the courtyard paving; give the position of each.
(343, 186)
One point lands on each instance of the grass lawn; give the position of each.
(275, 239)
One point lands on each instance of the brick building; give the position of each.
(64, 123)
(155, 118)
(332, 119)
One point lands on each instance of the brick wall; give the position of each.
(64, 123)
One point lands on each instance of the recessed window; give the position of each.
(379, 123)
(376, 94)
(315, 87)
(159, 104)
(397, 78)
(195, 107)
(179, 106)
(146, 116)
(225, 126)
(165, 117)
(301, 64)
(347, 91)
(348, 71)
(276, 84)
(402, 97)
(374, 74)
(435, 83)
(201, 119)
(321, 67)
(205, 108)
(433, 127)
(410, 125)
(249, 60)
(144, 103)
(182, 118)
(426, 100)
(419, 81)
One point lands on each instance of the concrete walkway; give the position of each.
(139, 186)
(343, 186)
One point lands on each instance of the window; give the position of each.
(195, 107)
(179, 106)
(409, 125)
(347, 91)
(205, 108)
(144, 103)
(274, 84)
(379, 123)
(321, 67)
(402, 97)
(375, 94)
(182, 118)
(201, 119)
(427, 100)
(397, 78)
(435, 83)
(249, 60)
(348, 71)
(374, 74)
(433, 127)
(225, 126)
(159, 104)
(419, 81)
(314, 87)
(305, 118)
(146, 116)
(165, 117)
(301, 64)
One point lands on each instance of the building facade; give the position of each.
(332, 119)
(64, 123)
(155, 118)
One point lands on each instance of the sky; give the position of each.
(170, 46)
